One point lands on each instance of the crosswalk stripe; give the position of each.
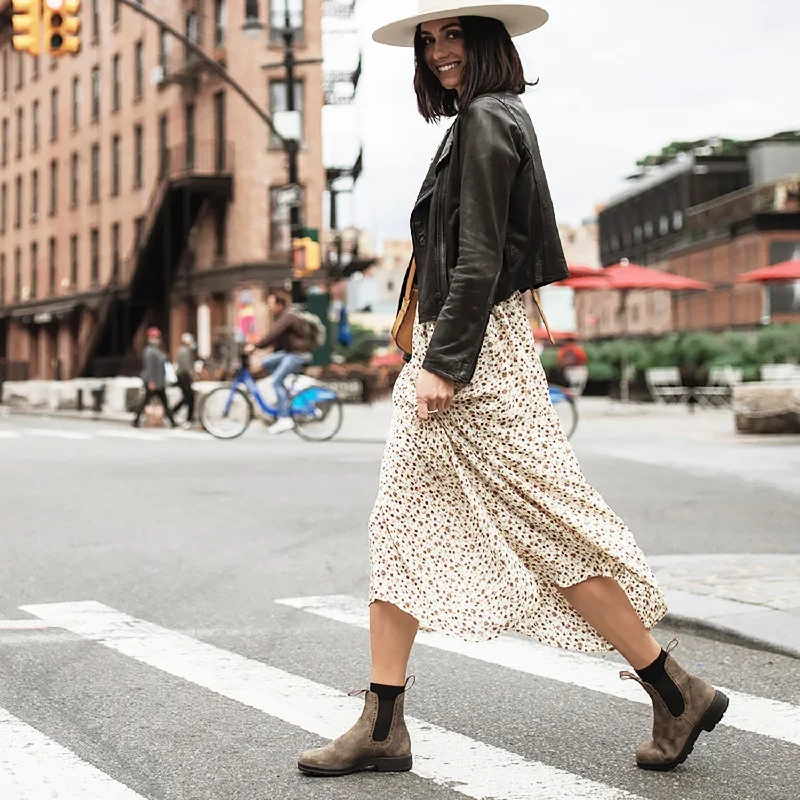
(9, 435)
(57, 434)
(23, 625)
(470, 767)
(33, 767)
(750, 713)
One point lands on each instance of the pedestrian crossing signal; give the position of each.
(26, 22)
(61, 27)
(306, 256)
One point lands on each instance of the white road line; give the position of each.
(58, 434)
(747, 712)
(471, 767)
(24, 625)
(34, 767)
(132, 434)
(9, 435)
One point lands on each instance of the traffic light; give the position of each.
(61, 27)
(26, 24)
(306, 256)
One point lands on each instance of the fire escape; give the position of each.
(193, 177)
(342, 257)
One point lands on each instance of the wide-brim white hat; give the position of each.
(519, 18)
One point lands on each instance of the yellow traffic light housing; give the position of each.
(61, 27)
(306, 256)
(26, 23)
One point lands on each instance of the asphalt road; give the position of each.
(191, 681)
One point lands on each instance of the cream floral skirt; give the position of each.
(483, 511)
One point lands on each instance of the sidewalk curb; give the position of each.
(86, 416)
(753, 626)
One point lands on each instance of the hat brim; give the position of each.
(518, 19)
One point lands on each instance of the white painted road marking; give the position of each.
(57, 434)
(131, 434)
(34, 767)
(747, 712)
(467, 766)
(9, 435)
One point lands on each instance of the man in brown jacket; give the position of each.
(292, 338)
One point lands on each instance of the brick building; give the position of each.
(707, 215)
(137, 188)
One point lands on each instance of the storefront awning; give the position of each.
(46, 312)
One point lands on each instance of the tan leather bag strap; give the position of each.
(541, 314)
(412, 272)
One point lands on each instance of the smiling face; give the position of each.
(445, 53)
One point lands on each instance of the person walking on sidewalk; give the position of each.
(484, 522)
(154, 376)
(184, 370)
(292, 339)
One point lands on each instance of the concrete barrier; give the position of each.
(767, 408)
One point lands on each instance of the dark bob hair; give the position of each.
(492, 65)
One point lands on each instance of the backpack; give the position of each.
(317, 332)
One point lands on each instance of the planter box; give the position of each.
(767, 408)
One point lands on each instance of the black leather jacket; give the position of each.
(483, 228)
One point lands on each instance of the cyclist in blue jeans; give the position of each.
(292, 339)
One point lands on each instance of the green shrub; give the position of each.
(361, 348)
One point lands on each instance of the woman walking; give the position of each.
(484, 522)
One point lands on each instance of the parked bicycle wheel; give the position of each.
(226, 414)
(318, 413)
(566, 408)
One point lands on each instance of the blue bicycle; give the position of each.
(566, 408)
(226, 412)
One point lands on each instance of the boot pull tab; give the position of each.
(671, 646)
(624, 675)
(357, 692)
(410, 681)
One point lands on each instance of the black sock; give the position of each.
(656, 675)
(386, 697)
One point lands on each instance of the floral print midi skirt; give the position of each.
(483, 511)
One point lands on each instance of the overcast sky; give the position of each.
(618, 79)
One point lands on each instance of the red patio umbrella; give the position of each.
(586, 282)
(785, 272)
(581, 270)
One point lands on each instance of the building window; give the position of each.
(138, 156)
(116, 16)
(95, 185)
(95, 94)
(51, 258)
(220, 22)
(95, 21)
(663, 224)
(677, 220)
(5, 73)
(20, 70)
(189, 128)
(637, 234)
(53, 115)
(35, 124)
(219, 131)
(138, 70)
(138, 232)
(74, 164)
(34, 269)
(163, 146)
(35, 195)
(115, 251)
(17, 275)
(3, 207)
(19, 132)
(220, 221)
(648, 229)
(36, 67)
(277, 19)
(251, 9)
(53, 188)
(73, 261)
(76, 103)
(278, 97)
(94, 245)
(115, 87)
(4, 157)
(2, 279)
(18, 210)
(163, 49)
(115, 166)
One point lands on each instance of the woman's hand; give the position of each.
(434, 394)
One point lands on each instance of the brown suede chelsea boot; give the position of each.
(356, 750)
(674, 735)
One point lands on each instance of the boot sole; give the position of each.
(398, 764)
(709, 721)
